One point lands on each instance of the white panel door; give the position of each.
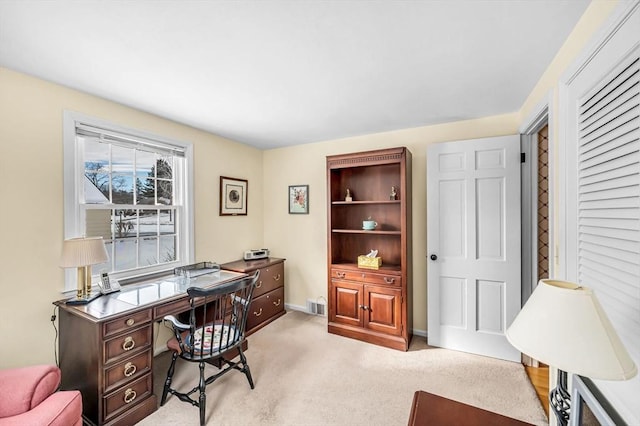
(473, 244)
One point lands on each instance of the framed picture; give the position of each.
(233, 196)
(299, 199)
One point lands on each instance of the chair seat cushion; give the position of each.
(208, 338)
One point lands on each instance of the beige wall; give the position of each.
(302, 239)
(594, 19)
(31, 200)
(31, 192)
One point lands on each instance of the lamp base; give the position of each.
(560, 400)
(83, 300)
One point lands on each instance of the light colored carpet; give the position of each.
(306, 376)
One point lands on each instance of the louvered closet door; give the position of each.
(599, 228)
(609, 197)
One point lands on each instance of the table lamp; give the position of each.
(82, 253)
(563, 325)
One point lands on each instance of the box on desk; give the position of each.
(369, 262)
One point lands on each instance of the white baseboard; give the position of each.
(291, 307)
(299, 308)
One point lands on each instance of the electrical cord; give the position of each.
(55, 339)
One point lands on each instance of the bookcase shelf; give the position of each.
(372, 305)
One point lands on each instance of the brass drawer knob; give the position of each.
(128, 343)
(276, 277)
(129, 369)
(389, 280)
(341, 274)
(130, 322)
(257, 313)
(259, 284)
(129, 395)
(276, 303)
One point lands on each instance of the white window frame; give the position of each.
(74, 222)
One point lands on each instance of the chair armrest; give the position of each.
(24, 388)
(63, 408)
(175, 323)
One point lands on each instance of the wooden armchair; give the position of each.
(216, 328)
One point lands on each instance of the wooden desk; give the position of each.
(434, 410)
(106, 347)
(268, 296)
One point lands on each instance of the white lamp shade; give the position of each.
(83, 252)
(563, 325)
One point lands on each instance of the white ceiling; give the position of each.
(279, 73)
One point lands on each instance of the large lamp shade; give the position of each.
(563, 325)
(82, 252)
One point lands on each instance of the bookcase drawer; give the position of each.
(367, 277)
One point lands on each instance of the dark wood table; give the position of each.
(434, 410)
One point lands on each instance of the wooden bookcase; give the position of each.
(367, 304)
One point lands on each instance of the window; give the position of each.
(131, 189)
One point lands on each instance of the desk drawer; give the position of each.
(127, 370)
(128, 343)
(368, 277)
(171, 308)
(265, 306)
(128, 396)
(126, 322)
(271, 277)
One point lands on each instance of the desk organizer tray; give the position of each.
(197, 269)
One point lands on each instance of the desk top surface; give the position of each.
(251, 265)
(433, 410)
(147, 294)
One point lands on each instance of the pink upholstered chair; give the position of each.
(28, 397)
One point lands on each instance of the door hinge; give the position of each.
(522, 157)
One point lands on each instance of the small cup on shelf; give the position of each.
(369, 224)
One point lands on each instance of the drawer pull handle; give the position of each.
(259, 284)
(129, 395)
(276, 303)
(129, 369)
(341, 274)
(276, 277)
(130, 322)
(128, 343)
(257, 313)
(389, 280)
